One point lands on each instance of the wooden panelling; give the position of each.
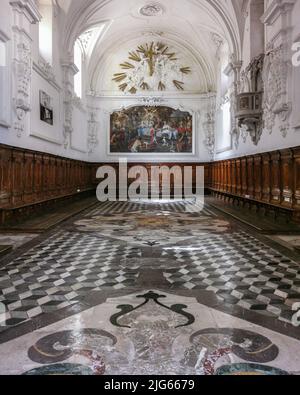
(250, 177)
(233, 177)
(287, 177)
(258, 177)
(5, 177)
(207, 170)
(266, 178)
(29, 178)
(238, 177)
(17, 175)
(28, 192)
(244, 177)
(275, 178)
(272, 179)
(296, 176)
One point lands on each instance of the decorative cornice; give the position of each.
(152, 101)
(71, 66)
(29, 9)
(276, 9)
(180, 96)
(236, 65)
(45, 71)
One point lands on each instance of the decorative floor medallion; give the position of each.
(124, 288)
(150, 333)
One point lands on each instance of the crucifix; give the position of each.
(150, 53)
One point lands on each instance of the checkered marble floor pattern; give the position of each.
(54, 274)
(241, 271)
(58, 272)
(179, 206)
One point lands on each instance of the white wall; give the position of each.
(37, 135)
(5, 67)
(281, 28)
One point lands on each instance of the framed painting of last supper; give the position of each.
(151, 130)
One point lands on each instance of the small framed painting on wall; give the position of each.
(46, 108)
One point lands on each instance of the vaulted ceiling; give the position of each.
(194, 27)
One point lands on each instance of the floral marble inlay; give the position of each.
(151, 337)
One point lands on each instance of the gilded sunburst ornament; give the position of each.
(152, 66)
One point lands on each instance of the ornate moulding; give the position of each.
(29, 8)
(152, 101)
(276, 9)
(24, 11)
(275, 76)
(22, 66)
(69, 70)
(92, 140)
(249, 109)
(209, 127)
(152, 9)
(233, 69)
(45, 70)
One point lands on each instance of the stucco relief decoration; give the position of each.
(244, 132)
(92, 132)
(244, 83)
(151, 67)
(69, 101)
(23, 78)
(85, 39)
(68, 107)
(218, 41)
(249, 100)
(235, 130)
(275, 86)
(152, 101)
(152, 9)
(46, 69)
(209, 129)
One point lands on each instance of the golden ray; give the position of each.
(186, 70)
(134, 56)
(142, 49)
(145, 86)
(164, 52)
(127, 65)
(178, 85)
(160, 46)
(133, 90)
(123, 87)
(119, 77)
(161, 86)
(171, 55)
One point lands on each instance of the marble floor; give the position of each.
(15, 240)
(148, 288)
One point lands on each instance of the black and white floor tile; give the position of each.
(118, 246)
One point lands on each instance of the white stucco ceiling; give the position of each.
(191, 26)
